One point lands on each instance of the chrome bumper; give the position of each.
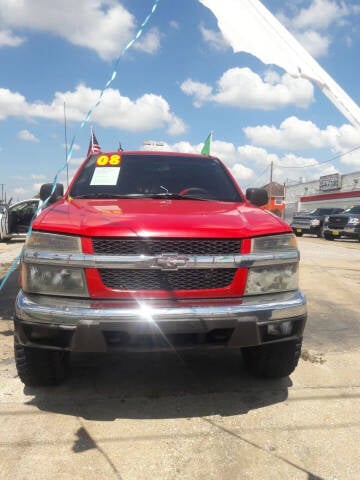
(67, 311)
(98, 326)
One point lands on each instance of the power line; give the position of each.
(321, 163)
(261, 174)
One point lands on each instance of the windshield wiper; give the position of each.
(174, 196)
(167, 195)
(108, 195)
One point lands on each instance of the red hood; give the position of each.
(158, 218)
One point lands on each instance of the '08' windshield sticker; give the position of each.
(105, 176)
(108, 160)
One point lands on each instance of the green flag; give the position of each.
(206, 147)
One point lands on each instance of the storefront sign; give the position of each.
(330, 182)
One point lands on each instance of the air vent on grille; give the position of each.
(187, 279)
(157, 246)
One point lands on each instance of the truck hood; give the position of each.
(158, 218)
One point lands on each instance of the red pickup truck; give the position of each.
(157, 250)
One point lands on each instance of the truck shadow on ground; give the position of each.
(151, 385)
(159, 385)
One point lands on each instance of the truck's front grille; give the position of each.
(337, 222)
(157, 246)
(301, 223)
(186, 279)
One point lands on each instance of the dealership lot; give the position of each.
(197, 416)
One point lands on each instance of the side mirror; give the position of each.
(45, 192)
(257, 196)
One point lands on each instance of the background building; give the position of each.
(276, 203)
(333, 190)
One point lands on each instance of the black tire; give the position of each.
(274, 360)
(328, 236)
(40, 366)
(298, 234)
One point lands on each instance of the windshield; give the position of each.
(355, 209)
(154, 176)
(322, 211)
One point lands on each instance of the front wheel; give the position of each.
(298, 234)
(274, 360)
(328, 236)
(40, 366)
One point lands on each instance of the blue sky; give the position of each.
(179, 81)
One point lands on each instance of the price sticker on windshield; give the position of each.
(109, 160)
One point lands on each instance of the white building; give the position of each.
(333, 190)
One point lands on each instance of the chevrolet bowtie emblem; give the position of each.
(170, 261)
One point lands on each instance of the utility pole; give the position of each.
(2, 192)
(271, 179)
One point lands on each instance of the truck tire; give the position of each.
(40, 366)
(299, 234)
(274, 360)
(328, 236)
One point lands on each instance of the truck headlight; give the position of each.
(315, 222)
(53, 280)
(274, 243)
(53, 242)
(271, 279)
(279, 277)
(353, 221)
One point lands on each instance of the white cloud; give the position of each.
(297, 134)
(145, 113)
(320, 14)
(74, 147)
(104, 26)
(315, 43)
(8, 39)
(313, 24)
(19, 191)
(214, 39)
(174, 24)
(200, 91)
(11, 104)
(149, 42)
(292, 134)
(27, 136)
(39, 176)
(36, 187)
(243, 88)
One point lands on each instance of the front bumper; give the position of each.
(108, 325)
(306, 229)
(350, 232)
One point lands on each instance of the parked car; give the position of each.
(312, 222)
(346, 224)
(157, 251)
(16, 218)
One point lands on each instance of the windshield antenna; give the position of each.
(164, 188)
(66, 149)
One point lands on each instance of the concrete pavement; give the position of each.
(199, 415)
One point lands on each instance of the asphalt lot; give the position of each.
(199, 415)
